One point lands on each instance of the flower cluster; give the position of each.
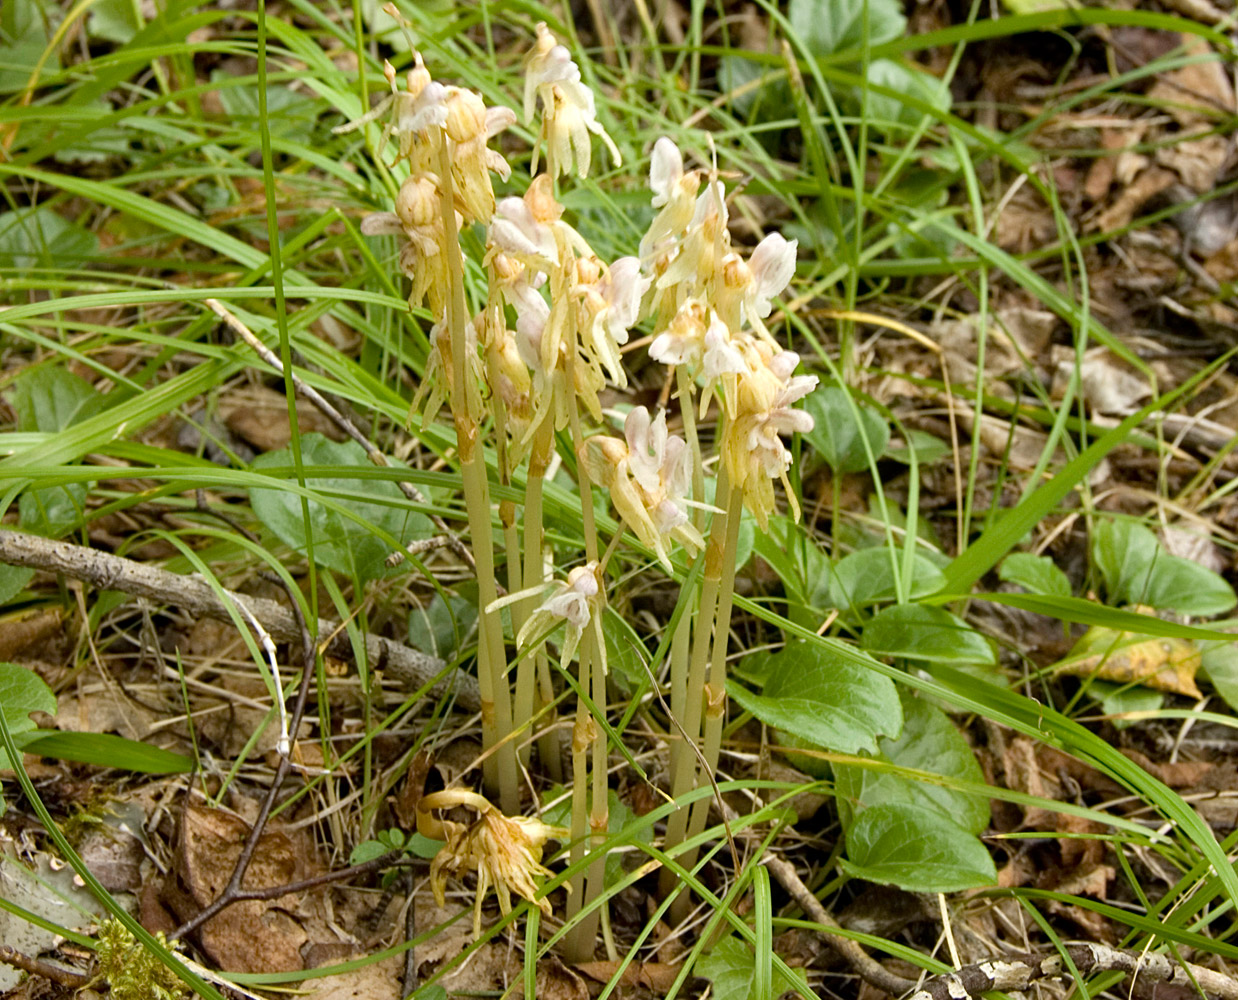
(504, 851)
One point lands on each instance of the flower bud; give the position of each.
(466, 115)
(417, 204)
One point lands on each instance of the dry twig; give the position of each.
(109, 572)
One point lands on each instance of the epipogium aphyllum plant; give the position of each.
(573, 312)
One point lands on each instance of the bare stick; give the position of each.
(63, 977)
(194, 594)
(340, 421)
(1019, 973)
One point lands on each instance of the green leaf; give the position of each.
(731, 967)
(867, 577)
(923, 633)
(42, 238)
(928, 448)
(113, 21)
(1118, 699)
(53, 510)
(837, 436)
(48, 398)
(22, 691)
(24, 33)
(441, 627)
(1036, 574)
(896, 76)
(340, 543)
(109, 750)
(829, 26)
(929, 742)
(367, 850)
(1137, 570)
(289, 115)
(819, 696)
(917, 849)
(1220, 662)
(620, 818)
(13, 580)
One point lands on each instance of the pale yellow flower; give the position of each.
(504, 851)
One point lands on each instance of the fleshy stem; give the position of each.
(501, 771)
(533, 672)
(584, 732)
(715, 687)
(683, 779)
(681, 640)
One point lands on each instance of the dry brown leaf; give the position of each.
(656, 976)
(380, 981)
(1123, 658)
(20, 631)
(1134, 196)
(254, 935)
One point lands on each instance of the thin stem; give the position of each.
(533, 672)
(683, 779)
(583, 734)
(501, 770)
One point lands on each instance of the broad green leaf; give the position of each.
(108, 750)
(100, 144)
(340, 543)
(442, 626)
(13, 580)
(904, 79)
(48, 398)
(828, 700)
(25, 28)
(1137, 570)
(829, 26)
(1036, 574)
(53, 510)
(1117, 699)
(289, 115)
(917, 849)
(43, 238)
(917, 632)
(929, 742)
(22, 691)
(928, 448)
(837, 436)
(113, 20)
(1220, 663)
(731, 967)
(867, 577)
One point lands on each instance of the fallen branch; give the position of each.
(194, 594)
(1020, 973)
(63, 977)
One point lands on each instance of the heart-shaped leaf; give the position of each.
(917, 849)
(923, 633)
(341, 543)
(825, 697)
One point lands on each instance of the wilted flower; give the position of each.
(648, 476)
(505, 851)
(568, 111)
(752, 446)
(576, 601)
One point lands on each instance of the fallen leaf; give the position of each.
(18, 632)
(655, 976)
(1125, 658)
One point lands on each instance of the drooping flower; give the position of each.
(747, 288)
(569, 115)
(576, 601)
(648, 475)
(610, 307)
(674, 192)
(505, 851)
(752, 445)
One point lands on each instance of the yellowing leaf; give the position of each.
(1128, 658)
